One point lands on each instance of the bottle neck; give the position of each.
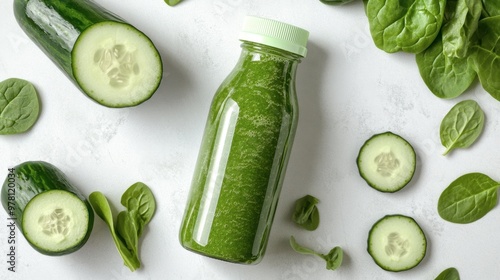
(265, 61)
(257, 48)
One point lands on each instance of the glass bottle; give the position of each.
(245, 147)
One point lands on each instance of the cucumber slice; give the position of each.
(387, 162)
(55, 221)
(397, 243)
(116, 65)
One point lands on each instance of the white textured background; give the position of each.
(347, 89)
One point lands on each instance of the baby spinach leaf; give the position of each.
(139, 197)
(141, 205)
(468, 198)
(486, 55)
(306, 213)
(409, 26)
(335, 2)
(446, 77)
(101, 207)
(449, 274)
(19, 106)
(136, 218)
(172, 2)
(461, 20)
(491, 8)
(462, 125)
(127, 228)
(333, 259)
(444, 65)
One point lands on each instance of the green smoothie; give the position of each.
(243, 157)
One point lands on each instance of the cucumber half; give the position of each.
(55, 221)
(110, 61)
(387, 162)
(397, 243)
(116, 65)
(54, 216)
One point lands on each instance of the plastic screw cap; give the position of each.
(275, 34)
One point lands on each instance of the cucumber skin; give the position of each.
(32, 178)
(81, 14)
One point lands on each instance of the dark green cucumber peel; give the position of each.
(33, 178)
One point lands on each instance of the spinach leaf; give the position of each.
(139, 197)
(486, 55)
(409, 26)
(19, 106)
(335, 2)
(444, 65)
(462, 125)
(306, 213)
(127, 228)
(462, 17)
(141, 206)
(449, 274)
(468, 198)
(333, 258)
(101, 207)
(446, 77)
(172, 2)
(491, 8)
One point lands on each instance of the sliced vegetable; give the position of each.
(54, 217)
(462, 125)
(141, 205)
(387, 162)
(111, 61)
(397, 243)
(486, 55)
(468, 198)
(19, 106)
(409, 26)
(449, 274)
(306, 214)
(333, 259)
